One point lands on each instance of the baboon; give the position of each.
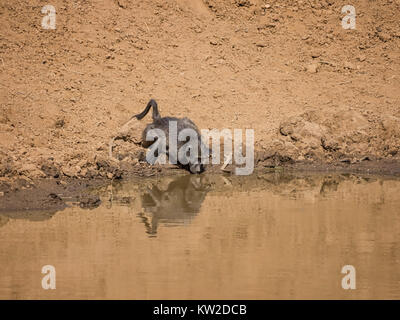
(162, 123)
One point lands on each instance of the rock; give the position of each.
(60, 123)
(348, 65)
(132, 131)
(343, 132)
(391, 125)
(312, 68)
(315, 54)
(70, 171)
(122, 4)
(330, 144)
(286, 128)
(90, 202)
(83, 172)
(31, 171)
(7, 166)
(384, 36)
(361, 58)
(109, 167)
(243, 3)
(82, 163)
(50, 169)
(300, 130)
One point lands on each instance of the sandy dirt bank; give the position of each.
(317, 96)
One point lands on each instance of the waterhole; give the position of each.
(273, 235)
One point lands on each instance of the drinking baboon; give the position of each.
(163, 123)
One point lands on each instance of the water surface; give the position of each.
(275, 235)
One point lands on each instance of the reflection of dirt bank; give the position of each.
(312, 91)
(41, 201)
(165, 199)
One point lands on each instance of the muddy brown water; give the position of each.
(274, 235)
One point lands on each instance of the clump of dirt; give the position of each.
(344, 134)
(312, 91)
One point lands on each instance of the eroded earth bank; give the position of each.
(317, 96)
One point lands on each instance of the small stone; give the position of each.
(384, 36)
(60, 123)
(70, 171)
(83, 172)
(348, 65)
(243, 3)
(315, 54)
(361, 58)
(312, 68)
(122, 4)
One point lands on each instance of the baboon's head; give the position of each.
(203, 154)
(196, 168)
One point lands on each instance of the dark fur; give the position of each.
(163, 124)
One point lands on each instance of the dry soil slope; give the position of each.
(284, 68)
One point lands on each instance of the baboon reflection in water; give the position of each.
(178, 204)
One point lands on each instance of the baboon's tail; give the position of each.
(156, 114)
